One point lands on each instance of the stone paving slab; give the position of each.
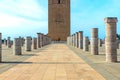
(9, 60)
(110, 71)
(56, 62)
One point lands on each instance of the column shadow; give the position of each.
(15, 62)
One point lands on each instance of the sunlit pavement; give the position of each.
(56, 62)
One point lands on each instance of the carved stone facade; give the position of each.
(59, 19)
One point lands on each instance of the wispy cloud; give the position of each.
(25, 15)
(28, 8)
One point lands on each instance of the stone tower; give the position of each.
(59, 19)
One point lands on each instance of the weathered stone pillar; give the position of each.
(94, 41)
(17, 47)
(5, 42)
(76, 40)
(68, 40)
(44, 39)
(41, 40)
(73, 40)
(100, 42)
(110, 41)
(23, 41)
(8, 42)
(20, 39)
(80, 39)
(0, 47)
(11, 42)
(50, 40)
(34, 43)
(85, 44)
(117, 40)
(38, 40)
(28, 43)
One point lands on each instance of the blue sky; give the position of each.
(27, 17)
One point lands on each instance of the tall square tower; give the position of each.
(59, 19)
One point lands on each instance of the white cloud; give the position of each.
(23, 7)
(8, 21)
(22, 17)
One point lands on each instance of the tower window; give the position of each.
(58, 1)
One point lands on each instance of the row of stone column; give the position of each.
(79, 41)
(111, 44)
(42, 40)
(8, 42)
(29, 42)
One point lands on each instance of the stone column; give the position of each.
(44, 39)
(117, 40)
(0, 47)
(38, 40)
(41, 40)
(28, 43)
(34, 43)
(23, 41)
(72, 40)
(110, 41)
(50, 40)
(76, 40)
(5, 42)
(85, 44)
(11, 42)
(100, 42)
(8, 42)
(80, 39)
(47, 40)
(17, 47)
(68, 40)
(20, 38)
(94, 41)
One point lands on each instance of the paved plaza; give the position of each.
(54, 62)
